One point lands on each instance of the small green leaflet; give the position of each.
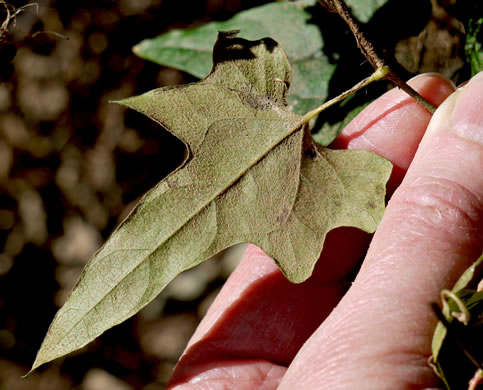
(253, 174)
(474, 44)
(448, 359)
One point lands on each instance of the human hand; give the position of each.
(263, 332)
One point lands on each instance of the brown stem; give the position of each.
(367, 48)
(410, 91)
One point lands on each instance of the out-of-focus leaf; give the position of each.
(364, 9)
(190, 49)
(329, 131)
(361, 9)
(470, 13)
(289, 23)
(253, 174)
(474, 44)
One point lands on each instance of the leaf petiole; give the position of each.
(367, 48)
(380, 73)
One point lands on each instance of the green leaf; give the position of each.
(288, 23)
(363, 10)
(253, 174)
(329, 131)
(291, 25)
(474, 44)
(448, 360)
(191, 49)
(470, 13)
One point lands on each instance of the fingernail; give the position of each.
(467, 117)
(432, 74)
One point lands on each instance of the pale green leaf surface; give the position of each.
(364, 9)
(190, 50)
(253, 174)
(474, 44)
(286, 22)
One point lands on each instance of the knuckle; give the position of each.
(442, 204)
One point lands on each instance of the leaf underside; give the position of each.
(253, 174)
(293, 25)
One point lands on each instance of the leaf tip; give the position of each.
(28, 373)
(44, 355)
(127, 102)
(36, 364)
(136, 49)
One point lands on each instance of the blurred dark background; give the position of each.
(72, 165)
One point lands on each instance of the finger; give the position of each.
(258, 314)
(380, 333)
(392, 128)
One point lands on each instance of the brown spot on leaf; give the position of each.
(310, 153)
(283, 216)
(380, 189)
(172, 182)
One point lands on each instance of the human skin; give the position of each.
(263, 332)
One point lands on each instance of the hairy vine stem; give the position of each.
(367, 48)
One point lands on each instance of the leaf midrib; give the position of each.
(216, 194)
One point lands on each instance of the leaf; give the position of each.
(474, 45)
(473, 301)
(326, 133)
(470, 14)
(448, 360)
(363, 10)
(291, 24)
(288, 23)
(253, 174)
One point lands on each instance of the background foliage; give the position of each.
(71, 165)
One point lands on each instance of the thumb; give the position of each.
(379, 336)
